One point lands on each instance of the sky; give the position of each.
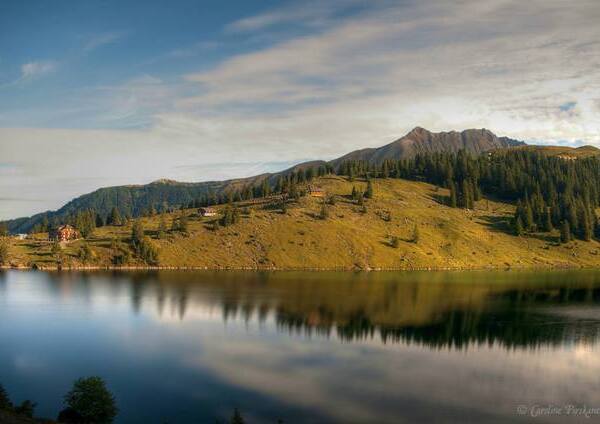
(102, 93)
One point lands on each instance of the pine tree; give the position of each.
(162, 226)
(137, 234)
(369, 192)
(528, 221)
(565, 232)
(518, 226)
(183, 224)
(547, 225)
(99, 221)
(115, 217)
(453, 200)
(237, 418)
(5, 403)
(587, 227)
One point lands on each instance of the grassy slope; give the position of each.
(348, 239)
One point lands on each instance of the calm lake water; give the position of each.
(306, 347)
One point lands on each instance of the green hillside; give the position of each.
(380, 235)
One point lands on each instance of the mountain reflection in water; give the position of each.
(305, 346)
(436, 309)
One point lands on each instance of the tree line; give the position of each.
(549, 192)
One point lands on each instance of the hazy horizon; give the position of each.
(118, 92)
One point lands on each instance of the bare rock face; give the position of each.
(420, 140)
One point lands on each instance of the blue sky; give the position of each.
(135, 91)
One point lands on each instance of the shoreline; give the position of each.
(307, 269)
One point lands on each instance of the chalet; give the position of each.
(316, 191)
(63, 233)
(207, 212)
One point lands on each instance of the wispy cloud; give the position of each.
(311, 13)
(103, 39)
(37, 68)
(193, 50)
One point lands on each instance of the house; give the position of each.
(207, 212)
(316, 191)
(63, 233)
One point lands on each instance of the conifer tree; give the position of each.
(453, 201)
(162, 226)
(547, 224)
(518, 226)
(369, 191)
(565, 232)
(115, 217)
(183, 224)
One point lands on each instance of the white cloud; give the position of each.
(36, 69)
(308, 13)
(103, 39)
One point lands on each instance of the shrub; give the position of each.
(90, 400)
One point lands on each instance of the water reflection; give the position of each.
(306, 347)
(451, 310)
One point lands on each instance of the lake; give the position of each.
(307, 347)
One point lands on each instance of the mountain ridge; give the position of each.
(135, 199)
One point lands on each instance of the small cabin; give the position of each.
(64, 233)
(207, 212)
(316, 191)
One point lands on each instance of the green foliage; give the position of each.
(394, 242)
(231, 215)
(518, 226)
(183, 224)
(546, 189)
(565, 232)
(84, 222)
(119, 253)
(3, 229)
(4, 252)
(26, 408)
(162, 227)
(85, 254)
(237, 418)
(142, 245)
(369, 191)
(453, 200)
(137, 233)
(115, 217)
(92, 401)
(5, 403)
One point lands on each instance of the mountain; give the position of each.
(135, 199)
(419, 140)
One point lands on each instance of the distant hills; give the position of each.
(134, 200)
